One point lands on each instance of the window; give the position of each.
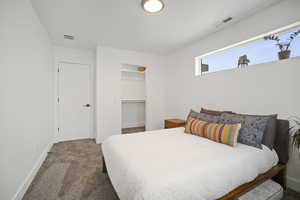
(256, 50)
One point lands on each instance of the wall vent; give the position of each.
(227, 19)
(69, 37)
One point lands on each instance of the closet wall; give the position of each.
(109, 90)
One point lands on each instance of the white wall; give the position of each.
(81, 56)
(26, 96)
(108, 89)
(133, 115)
(133, 86)
(262, 89)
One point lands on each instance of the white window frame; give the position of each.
(261, 36)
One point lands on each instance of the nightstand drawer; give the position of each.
(174, 123)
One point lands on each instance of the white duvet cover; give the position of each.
(170, 165)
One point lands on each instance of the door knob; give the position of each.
(87, 105)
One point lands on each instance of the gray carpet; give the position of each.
(73, 171)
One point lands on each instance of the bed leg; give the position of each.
(280, 178)
(104, 170)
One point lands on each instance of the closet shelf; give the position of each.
(133, 100)
(132, 71)
(133, 79)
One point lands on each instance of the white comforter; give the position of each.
(170, 165)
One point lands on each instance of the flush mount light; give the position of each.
(152, 6)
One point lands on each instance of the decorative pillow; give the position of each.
(222, 133)
(270, 131)
(214, 112)
(252, 130)
(203, 116)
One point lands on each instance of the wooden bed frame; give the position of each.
(277, 173)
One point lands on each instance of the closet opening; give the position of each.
(133, 98)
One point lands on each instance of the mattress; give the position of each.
(171, 165)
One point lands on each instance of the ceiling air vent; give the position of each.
(227, 19)
(69, 37)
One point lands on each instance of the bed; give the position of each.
(168, 164)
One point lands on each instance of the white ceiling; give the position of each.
(123, 23)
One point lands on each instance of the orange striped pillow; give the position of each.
(222, 133)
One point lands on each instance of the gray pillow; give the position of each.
(214, 112)
(204, 117)
(252, 130)
(270, 130)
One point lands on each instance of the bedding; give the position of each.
(222, 133)
(203, 116)
(270, 132)
(252, 130)
(170, 165)
(213, 112)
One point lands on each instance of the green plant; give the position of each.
(295, 132)
(283, 45)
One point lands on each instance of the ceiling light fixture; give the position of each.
(153, 6)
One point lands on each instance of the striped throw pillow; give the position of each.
(222, 133)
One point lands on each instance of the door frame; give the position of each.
(56, 96)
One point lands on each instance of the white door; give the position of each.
(74, 101)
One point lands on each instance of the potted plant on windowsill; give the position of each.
(295, 133)
(284, 46)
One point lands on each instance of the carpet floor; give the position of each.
(73, 171)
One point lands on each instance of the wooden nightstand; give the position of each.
(173, 123)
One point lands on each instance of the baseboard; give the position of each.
(293, 183)
(98, 140)
(29, 178)
(73, 139)
(133, 124)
